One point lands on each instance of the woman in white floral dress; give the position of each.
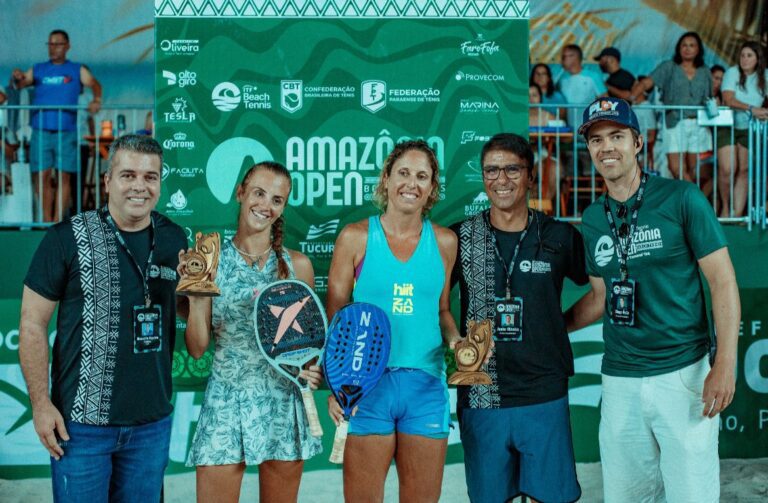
(251, 415)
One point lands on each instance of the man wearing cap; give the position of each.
(619, 81)
(646, 241)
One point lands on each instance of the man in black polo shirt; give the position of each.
(619, 81)
(516, 432)
(112, 273)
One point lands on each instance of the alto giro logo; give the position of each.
(225, 96)
(373, 95)
(604, 250)
(183, 79)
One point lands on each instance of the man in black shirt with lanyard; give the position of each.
(112, 273)
(513, 260)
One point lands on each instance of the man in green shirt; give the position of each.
(646, 241)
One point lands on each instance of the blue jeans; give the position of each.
(112, 463)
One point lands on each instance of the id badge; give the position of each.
(147, 329)
(622, 307)
(508, 324)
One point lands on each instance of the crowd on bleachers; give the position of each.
(678, 90)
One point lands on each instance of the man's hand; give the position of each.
(94, 106)
(48, 422)
(719, 387)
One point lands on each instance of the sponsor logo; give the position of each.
(402, 298)
(479, 77)
(165, 171)
(177, 206)
(373, 95)
(183, 79)
(225, 96)
(472, 136)
(57, 80)
(182, 172)
(478, 204)
(329, 227)
(644, 241)
(223, 166)
(478, 106)
(479, 47)
(474, 171)
(293, 92)
(179, 113)
(179, 141)
(320, 248)
(535, 266)
(291, 95)
(180, 47)
(604, 251)
(321, 284)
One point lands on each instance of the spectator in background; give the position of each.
(745, 88)
(717, 72)
(647, 119)
(620, 81)
(684, 80)
(578, 85)
(541, 75)
(149, 126)
(58, 82)
(537, 117)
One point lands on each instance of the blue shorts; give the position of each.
(44, 151)
(405, 401)
(519, 450)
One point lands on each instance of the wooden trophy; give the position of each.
(470, 355)
(202, 263)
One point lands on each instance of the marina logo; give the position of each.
(179, 114)
(180, 47)
(604, 250)
(373, 95)
(478, 106)
(479, 47)
(225, 96)
(479, 77)
(179, 140)
(183, 79)
(329, 227)
(291, 95)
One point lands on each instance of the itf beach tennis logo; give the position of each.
(373, 95)
(604, 250)
(291, 95)
(225, 96)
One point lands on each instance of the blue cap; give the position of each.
(609, 109)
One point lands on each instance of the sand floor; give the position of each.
(742, 481)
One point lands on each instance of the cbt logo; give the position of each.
(291, 95)
(373, 95)
(604, 250)
(184, 78)
(226, 96)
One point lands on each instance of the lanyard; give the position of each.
(625, 247)
(121, 240)
(508, 270)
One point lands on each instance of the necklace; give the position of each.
(256, 258)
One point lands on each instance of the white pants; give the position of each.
(687, 136)
(654, 440)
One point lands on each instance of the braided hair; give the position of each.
(283, 272)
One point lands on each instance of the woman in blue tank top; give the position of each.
(401, 262)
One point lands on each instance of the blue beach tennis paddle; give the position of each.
(356, 355)
(290, 329)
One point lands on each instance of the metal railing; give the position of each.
(22, 187)
(569, 181)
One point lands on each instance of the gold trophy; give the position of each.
(470, 355)
(202, 263)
